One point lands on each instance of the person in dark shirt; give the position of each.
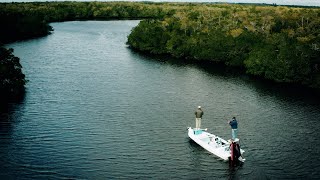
(199, 114)
(234, 126)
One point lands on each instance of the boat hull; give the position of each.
(212, 143)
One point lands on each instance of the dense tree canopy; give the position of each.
(12, 80)
(277, 43)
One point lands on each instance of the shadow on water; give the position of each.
(284, 91)
(287, 92)
(8, 106)
(8, 98)
(9, 116)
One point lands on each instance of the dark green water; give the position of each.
(94, 109)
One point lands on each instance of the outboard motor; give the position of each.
(235, 151)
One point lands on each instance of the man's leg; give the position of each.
(197, 123)
(232, 134)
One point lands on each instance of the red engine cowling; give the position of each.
(235, 151)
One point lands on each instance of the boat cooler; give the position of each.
(197, 132)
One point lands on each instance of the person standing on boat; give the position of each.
(199, 114)
(234, 126)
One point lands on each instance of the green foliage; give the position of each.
(149, 36)
(277, 43)
(18, 26)
(12, 80)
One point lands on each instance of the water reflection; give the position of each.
(283, 91)
(10, 114)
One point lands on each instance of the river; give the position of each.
(95, 109)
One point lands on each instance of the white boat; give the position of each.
(214, 144)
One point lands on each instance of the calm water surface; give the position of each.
(94, 109)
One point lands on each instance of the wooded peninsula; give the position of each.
(279, 43)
